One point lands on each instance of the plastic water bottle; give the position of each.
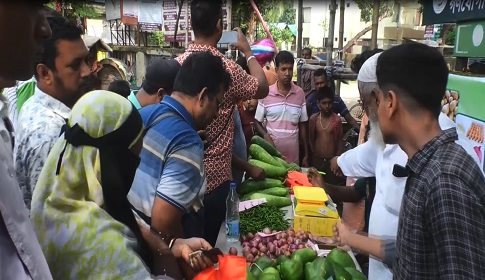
(232, 214)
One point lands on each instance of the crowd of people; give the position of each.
(110, 184)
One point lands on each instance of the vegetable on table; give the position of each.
(272, 199)
(257, 152)
(339, 273)
(291, 270)
(270, 273)
(311, 273)
(341, 257)
(356, 275)
(259, 217)
(265, 145)
(270, 170)
(283, 162)
(304, 255)
(250, 185)
(277, 191)
(260, 265)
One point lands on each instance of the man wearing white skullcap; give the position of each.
(376, 159)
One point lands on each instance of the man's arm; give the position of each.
(177, 191)
(303, 129)
(249, 84)
(260, 115)
(254, 172)
(457, 225)
(337, 193)
(360, 161)
(350, 120)
(340, 137)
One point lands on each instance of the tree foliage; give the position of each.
(279, 35)
(366, 7)
(272, 11)
(76, 9)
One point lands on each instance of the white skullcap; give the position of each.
(367, 73)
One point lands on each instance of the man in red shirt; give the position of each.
(206, 20)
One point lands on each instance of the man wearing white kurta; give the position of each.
(375, 159)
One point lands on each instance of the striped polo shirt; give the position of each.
(172, 161)
(282, 115)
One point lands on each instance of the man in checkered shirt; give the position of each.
(442, 220)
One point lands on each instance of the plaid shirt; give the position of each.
(217, 157)
(441, 233)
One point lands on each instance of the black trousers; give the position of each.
(215, 212)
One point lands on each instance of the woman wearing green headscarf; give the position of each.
(80, 212)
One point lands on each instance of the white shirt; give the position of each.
(39, 125)
(20, 254)
(369, 160)
(11, 95)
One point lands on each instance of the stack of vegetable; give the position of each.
(265, 156)
(277, 244)
(303, 264)
(260, 219)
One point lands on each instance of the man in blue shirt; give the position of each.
(170, 182)
(320, 79)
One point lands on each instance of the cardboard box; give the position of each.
(318, 226)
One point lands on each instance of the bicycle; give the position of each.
(357, 110)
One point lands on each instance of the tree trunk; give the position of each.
(375, 24)
(331, 32)
(177, 23)
(251, 28)
(353, 41)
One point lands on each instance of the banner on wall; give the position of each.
(466, 100)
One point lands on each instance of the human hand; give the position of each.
(341, 233)
(182, 248)
(268, 138)
(334, 167)
(242, 43)
(315, 178)
(257, 173)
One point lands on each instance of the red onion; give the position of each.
(305, 237)
(270, 238)
(293, 247)
(281, 243)
(254, 251)
(254, 243)
(257, 239)
(278, 236)
(250, 236)
(264, 240)
(300, 231)
(292, 234)
(250, 258)
(285, 247)
(291, 240)
(244, 244)
(264, 249)
(272, 250)
(271, 256)
(275, 242)
(297, 242)
(288, 254)
(284, 235)
(301, 246)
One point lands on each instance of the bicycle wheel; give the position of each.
(357, 111)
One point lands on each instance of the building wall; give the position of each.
(315, 29)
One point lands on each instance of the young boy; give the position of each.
(326, 135)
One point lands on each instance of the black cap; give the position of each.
(161, 73)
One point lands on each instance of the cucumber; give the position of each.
(270, 170)
(265, 145)
(277, 191)
(272, 199)
(294, 167)
(283, 162)
(250, 185)
(257, 152)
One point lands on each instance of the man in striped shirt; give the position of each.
(170, 182)
(284, 112)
